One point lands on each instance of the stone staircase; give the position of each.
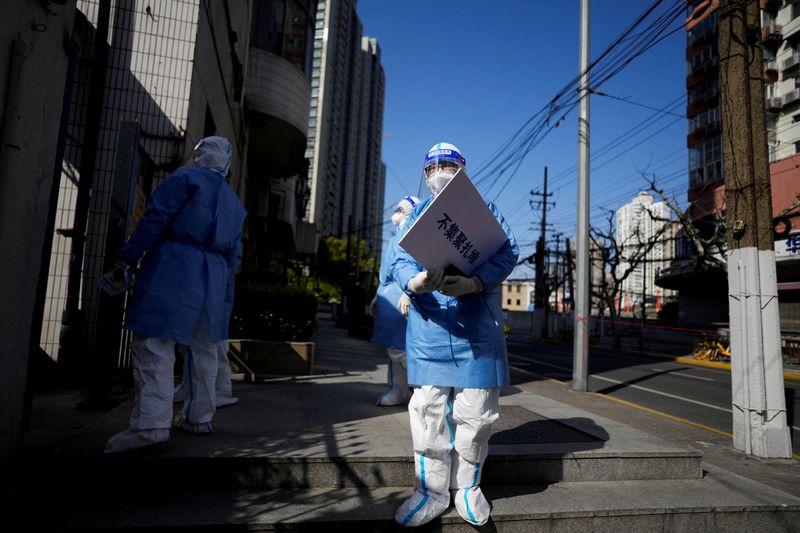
(315, 454)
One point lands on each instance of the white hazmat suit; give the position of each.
(457, 361)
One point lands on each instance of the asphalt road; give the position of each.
(699, 394)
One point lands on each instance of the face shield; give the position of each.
(213, 152)
(404, 208)
(441, 164)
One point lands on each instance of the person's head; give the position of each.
(213, 152)
(404, 208)
(442, 162)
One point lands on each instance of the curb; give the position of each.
(787, 374)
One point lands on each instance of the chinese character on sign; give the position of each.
(793, 244)
(473, 256)
(451, 232)
(458, 241)
(465, 248)
(443, 222)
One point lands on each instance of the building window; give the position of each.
(508, 301)
(518, 302)
(519, 288)
(283, 27)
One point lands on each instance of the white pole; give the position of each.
(580, 374)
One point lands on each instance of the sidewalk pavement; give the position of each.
(554, 454)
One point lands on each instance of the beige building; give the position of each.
(517, 295)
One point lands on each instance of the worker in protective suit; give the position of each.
(191, 232)
(457, 362)
(390, 308)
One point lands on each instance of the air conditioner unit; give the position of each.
(791, 96)
(792, 61)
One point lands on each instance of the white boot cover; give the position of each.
(474, 412)
(397, 378)
(130, 440)
(432, 438)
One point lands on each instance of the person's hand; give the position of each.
(118, 270)
(426, 281)
(459, 285)
(404, 305)
(372, 305)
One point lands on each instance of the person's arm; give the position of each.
(404, 267)
(162, 208)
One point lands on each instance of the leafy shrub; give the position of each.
(273, 312)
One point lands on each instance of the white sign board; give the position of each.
(456, 229)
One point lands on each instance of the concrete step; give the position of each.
(277, 437)
(720, 501)
(271, 472)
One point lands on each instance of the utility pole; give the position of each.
(580, 366)
(759, 406)
(569, 268)
(540, 303)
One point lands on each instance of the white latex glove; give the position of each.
(372, 305)
(459, 285)
(404, 304)
(426, 281)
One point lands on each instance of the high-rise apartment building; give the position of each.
(638, 224)
(345, 128)
(703, 293)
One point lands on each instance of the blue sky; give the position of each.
(471, 72)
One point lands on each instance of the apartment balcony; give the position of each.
(791, 98)
(702, 133)
(772, 34)
(791, 63)
(774, 104)
(702, 102)
(701, 71)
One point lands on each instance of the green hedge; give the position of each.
(273, 313)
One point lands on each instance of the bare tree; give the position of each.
(708, 251)
(620, 258)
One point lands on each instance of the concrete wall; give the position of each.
(31, 97)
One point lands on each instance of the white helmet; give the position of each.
(442, 162)
(213, 152)
(404, 208)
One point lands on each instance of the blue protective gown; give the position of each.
(458, 341)
(192, 232)
(389, 327)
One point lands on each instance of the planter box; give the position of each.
(254, 358)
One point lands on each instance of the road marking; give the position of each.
(795, 456)
(639, 387)
(681, 374)
(603, 378)
(663, 414)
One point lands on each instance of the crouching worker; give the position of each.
(190, 236)
(390, 309)
(457, 362)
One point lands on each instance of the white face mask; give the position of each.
(438, 180)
